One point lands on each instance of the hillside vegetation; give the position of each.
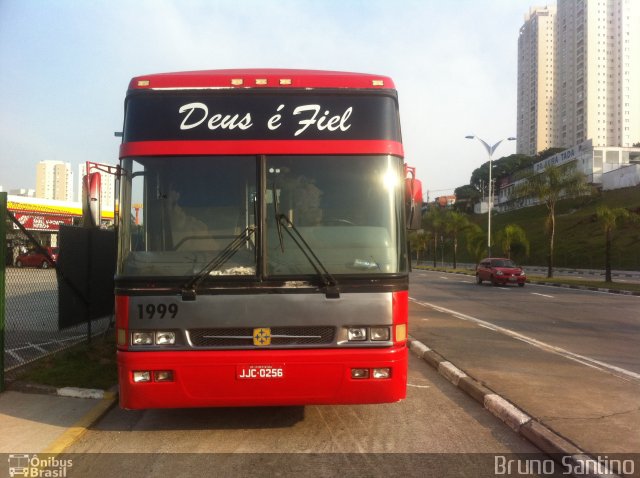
(580, 238)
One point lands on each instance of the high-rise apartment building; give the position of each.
(535, 81)
(596, 73)
(54, 180)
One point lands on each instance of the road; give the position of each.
(603, 327)
(423, 435)
(630, 277)
(563, 356)
(567, 357)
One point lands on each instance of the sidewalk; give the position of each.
(48, 422)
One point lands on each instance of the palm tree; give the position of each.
(476, 242)
(454, 224)
(433, 222)
(609, 217)
(549, 186)
(418, 241)
(511, 235)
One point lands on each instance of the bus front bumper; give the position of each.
(181, 379)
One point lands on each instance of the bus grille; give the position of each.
(243, 337)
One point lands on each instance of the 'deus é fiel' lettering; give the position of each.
(310, 117)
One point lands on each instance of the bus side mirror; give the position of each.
(413, 203)
(92, 200)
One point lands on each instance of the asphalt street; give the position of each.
(566, 357)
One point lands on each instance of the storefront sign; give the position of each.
(40, 222)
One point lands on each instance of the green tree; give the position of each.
(466, 197)
(610, 219)
(510, 236)
(549, 186)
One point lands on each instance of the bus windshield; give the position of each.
(185, 211)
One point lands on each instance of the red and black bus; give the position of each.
(268, 264)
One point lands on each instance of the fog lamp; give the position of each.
(141, 376)
(381, 373)
(357, 333)
(380, 333)
(165, 338)
(163, 376)
(359, 373)
(142, 338)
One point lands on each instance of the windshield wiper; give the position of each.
(190, 288)
(276, 215)
(331, 289)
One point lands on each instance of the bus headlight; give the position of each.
(380, 333)
(357, 333)
(142, 338)
(153, 337)
(165, 338)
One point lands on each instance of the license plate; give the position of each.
(513, 279)
(253, 372)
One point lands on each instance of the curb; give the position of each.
(73, 392)
(544, 438)
(585, 287)
(78, 429)
(106, 400)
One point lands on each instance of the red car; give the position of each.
(34, 258)
(500, 271)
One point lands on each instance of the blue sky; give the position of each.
(66, 65)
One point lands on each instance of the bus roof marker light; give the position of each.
(237, 81)
(143, 82)
(377, 82)
(285, 81)
(261, 81)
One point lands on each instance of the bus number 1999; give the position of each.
(160, 311)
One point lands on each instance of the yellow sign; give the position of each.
(262, 336)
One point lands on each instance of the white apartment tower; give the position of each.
(596, 73)
(535, 81)
(54, 180)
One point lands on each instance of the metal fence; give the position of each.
(31, 312)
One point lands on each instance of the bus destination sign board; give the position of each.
(210, 116)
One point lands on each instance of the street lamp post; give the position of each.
(490, 151)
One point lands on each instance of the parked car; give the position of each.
(35, 258)
(500, 271)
